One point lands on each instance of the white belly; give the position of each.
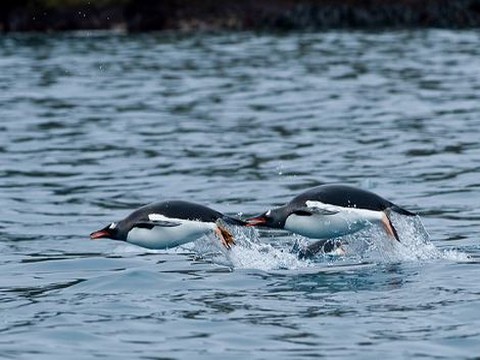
(168, 237)
(347, 221)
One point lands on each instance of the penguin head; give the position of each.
(273, 218)
(111, 231)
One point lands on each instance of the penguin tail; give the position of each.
(233, 221)
(400, 210)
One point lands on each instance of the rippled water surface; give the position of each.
(94, 125)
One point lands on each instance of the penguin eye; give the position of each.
(268, 213)
(112, 226)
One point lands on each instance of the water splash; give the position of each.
(249, 252)
(415, 244)
(371, 245)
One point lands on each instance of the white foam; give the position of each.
(265, 257)
(248, 253)
(415, 244)
(371, 245)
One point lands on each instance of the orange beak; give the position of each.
(99, 234)
(256, 221)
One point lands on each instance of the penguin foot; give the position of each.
(387, 224)
(225, 237)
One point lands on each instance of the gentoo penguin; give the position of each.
(167, 224)
(329, 211)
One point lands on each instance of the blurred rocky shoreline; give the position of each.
(212, 15)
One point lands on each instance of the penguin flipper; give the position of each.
(152, 224)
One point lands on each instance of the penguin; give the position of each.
(330, 211)
(168, 224)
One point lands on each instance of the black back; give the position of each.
(342, 195)
(175, 209)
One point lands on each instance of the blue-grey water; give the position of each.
(93, 125)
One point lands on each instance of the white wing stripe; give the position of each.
(363, 213)
(160, 217)
(323, 206)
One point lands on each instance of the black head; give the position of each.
(111, 231)
(274, 218)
